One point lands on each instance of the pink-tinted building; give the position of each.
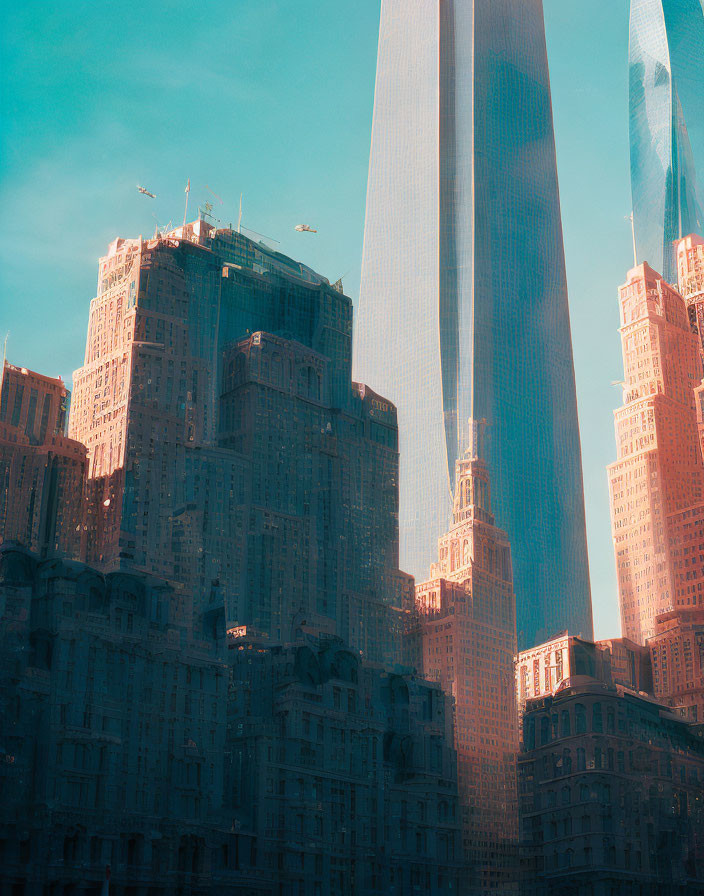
(657, 482)
(42, 472)
(544, 669)
(690, 278)
(690, 273)
(467, 632)
(677, 654)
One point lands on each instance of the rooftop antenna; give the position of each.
(4, 357)
(633, 234)
(239, 218)
(187, 191)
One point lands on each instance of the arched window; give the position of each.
(583, 793)
(565, 727)
(610, 720)
(544, 730)
(566, 796)
(580, 719)
(529, 736)
(567, 761)
(597, 718)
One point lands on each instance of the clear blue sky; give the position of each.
(274, 99)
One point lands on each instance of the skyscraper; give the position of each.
(666, 76)
(467, 632)
(229, 451)
(657, 482)
(463, 306)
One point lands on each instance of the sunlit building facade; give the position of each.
(666, 78)
(657, 482)
(463, 304)
(466, 626)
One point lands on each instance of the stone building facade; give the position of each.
(611, 789)
(42, 472)
(134, 746)
(657, 483)
(112, 736)
(465, 629)
(223, 428)
(345, 771)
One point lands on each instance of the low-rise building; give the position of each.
(345, 772)
(611, 789)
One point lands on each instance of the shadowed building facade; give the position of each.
(230, 453)
(666, 81)
(463, 306)
(42, 473)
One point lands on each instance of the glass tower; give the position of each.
(666, 75)
(463, 305)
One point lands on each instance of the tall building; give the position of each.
(690, 279)
(466, 625)
(666, 76)
(230, 452)
(463, 305)
(657, 482)
(42, 472)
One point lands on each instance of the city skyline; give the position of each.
(228, 665)
(468, 317)
(49, 266)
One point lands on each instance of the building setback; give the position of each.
(465, 631)
(223, 428)
(463, 306)
(611, 794)
(42, 472)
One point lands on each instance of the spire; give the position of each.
(472, 490)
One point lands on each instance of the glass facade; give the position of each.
(463, 306)
(666, 76)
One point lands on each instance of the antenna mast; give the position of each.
(633, 234)
(187, 191)
(239, 219)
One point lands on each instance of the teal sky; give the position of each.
(273, 99)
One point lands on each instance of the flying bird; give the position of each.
(304, 228)
(146, 191)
